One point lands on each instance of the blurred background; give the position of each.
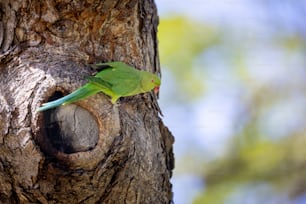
(234, 96)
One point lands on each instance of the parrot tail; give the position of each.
(81, 93)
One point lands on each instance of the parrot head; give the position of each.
(150, 81)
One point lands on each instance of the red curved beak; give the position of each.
(156, 90)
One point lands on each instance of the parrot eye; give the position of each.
(152, 80)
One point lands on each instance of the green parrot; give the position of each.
(116, 79)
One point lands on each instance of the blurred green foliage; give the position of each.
(253, 157)
(181, 41)
(281, 164)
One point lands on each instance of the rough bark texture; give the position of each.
(92, 151)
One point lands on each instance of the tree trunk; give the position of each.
(90, 151)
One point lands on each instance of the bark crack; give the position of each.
(10, 24)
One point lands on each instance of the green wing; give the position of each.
(99, 82)
(125, 80)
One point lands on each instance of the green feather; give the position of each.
(116, 79)
(99, 82)
(80, 93)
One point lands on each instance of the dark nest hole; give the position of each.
(70, 128)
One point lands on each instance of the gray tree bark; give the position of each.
(90, 151)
